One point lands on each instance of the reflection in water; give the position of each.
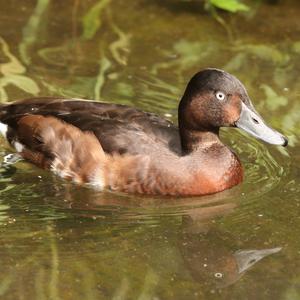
(92, 19)
(208, 253)
(31, 30)
(154, 245)
(11, 73)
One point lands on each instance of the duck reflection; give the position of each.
(212, 255)
(200, 249)
(208, 252)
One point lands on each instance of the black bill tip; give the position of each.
(286, 141)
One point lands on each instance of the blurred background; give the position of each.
(60, 241)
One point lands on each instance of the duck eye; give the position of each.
(220, 96)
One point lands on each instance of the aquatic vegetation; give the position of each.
(105, 64)
(229, 5)
(296, 47)
(30, 31)
(273, 101)
(119, 48)
(186, 54)
(13, 74)
(234, 6)
(92, 19)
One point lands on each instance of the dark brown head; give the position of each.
(214, 99)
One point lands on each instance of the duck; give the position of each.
(121, 148)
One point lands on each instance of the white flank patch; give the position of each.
(58, 169)
(11, 158)
(3, 129)
(18, 146)
(97, 180)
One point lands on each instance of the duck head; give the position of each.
(214, 98)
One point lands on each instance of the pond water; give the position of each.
(60, 241)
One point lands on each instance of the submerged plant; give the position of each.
(12, 74)
(31, 29)
(228, 5)
(92, 21)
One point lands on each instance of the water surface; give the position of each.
(60, 241)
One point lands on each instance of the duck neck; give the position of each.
(191, 140)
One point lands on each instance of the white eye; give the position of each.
(220, 96)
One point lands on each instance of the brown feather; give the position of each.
(78, 156)
(74, 154)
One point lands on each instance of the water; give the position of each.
(60, 241)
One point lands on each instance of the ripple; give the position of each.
(37, 196)
(266, 167)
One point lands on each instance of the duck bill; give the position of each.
(252, 123)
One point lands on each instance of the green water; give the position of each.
(60, 241)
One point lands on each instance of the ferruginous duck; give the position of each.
(116, 147)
